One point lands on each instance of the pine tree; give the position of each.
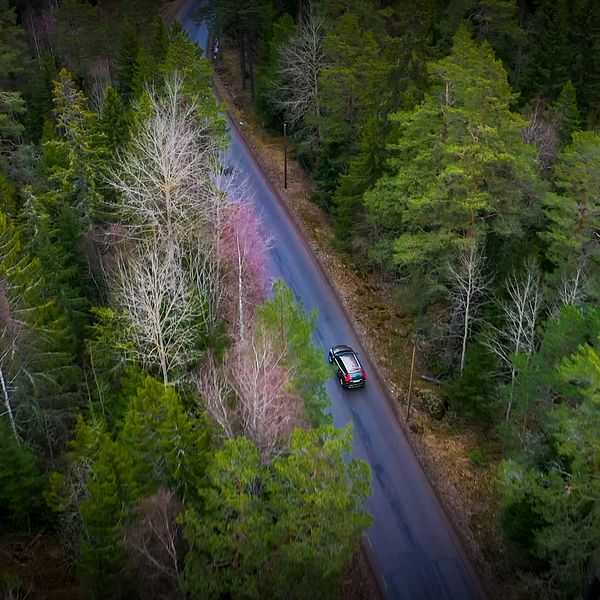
(458, 169)
(573, 211)
(184, 57)
(280, 530)
(350, 88)
(551, 503)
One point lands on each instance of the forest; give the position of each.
(163, 411)
(456, 149)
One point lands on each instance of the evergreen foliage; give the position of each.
(417, 143)
(159, 447)
(573, 212)
(547, 68)
(459, 169)
(127, 61)
(557, 485)
(568, 112)
(39, 378)
(77, 36)
(284, 530)
(293, 327)
(21, 482)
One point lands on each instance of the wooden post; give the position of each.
(285, 156)
(412, 367)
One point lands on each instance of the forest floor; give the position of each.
(447, 448)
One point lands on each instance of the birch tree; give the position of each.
(162, 297)
(156, 544)
(241, 250)
(468, 284)
(257, 372)
(165, 179)
(168, 275)
(302, 59)
(520, 311)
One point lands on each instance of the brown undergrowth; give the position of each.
(444, 447)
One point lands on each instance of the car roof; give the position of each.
(350, 361)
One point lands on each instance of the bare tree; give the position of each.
(520, 311)
(259, 377)
(165, 177)
(302, 59)
(541, 132)
(155, 543)
(162, 298)
(242, 248)
(169, 277)
(571, 289)
(215, 391)
(468, 285)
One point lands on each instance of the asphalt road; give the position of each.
(412, 545)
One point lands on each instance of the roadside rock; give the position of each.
(432, 403)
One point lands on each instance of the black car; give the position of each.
(349, 370)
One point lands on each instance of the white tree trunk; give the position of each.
(7, 404)
(468, 285)
(520, 312)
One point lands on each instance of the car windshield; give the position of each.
(350, 362)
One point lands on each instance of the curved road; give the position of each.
(413, 548)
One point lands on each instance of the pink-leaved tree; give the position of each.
(242, 254)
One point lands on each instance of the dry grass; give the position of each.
(466, 490)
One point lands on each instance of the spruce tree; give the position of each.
(77, 35)
(586, 76)
(573, 211)
(113, 120)
(568, 113)
(39, 98)
(548, 64)
(35, 349)
(126, 61)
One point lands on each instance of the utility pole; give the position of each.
(412, 367)
(285, 156)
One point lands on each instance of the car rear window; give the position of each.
(350, 362)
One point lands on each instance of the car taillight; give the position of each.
(347, 378)
(364, 375)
